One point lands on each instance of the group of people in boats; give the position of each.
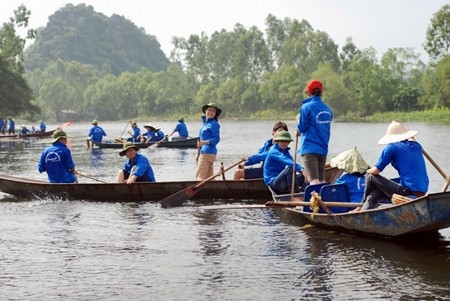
(276, 165)
(8, 126)
(152, 135)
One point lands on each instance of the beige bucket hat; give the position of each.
(350, 161)
(396, 132)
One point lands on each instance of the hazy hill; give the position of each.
(111, 44)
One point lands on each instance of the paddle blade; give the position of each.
(179, 198)
(66, 124)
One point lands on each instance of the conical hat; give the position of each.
(396, 132)
(350, 161)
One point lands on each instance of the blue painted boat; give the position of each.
(426, 214)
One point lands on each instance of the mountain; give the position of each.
(110, 44)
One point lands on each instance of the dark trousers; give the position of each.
(283, 182)
(380, 190)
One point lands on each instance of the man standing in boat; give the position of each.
(57, 160)
(405, 155)
(96, 134)
(42, 126)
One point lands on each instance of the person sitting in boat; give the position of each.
(11, 126)
(153, 134)
(96, 134)
(135, 135)
(258, 158)
(137, 168)
(57, 161)
(42, 126)
(24, 130)
(33, 130)
(278, 166)
(405, 155)
(182, 130)
(354, 175)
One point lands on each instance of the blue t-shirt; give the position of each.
(143, 167)
(276, 161)
(261, 155)
(57, 162)
(314, 126)
(407, 158)
(96, 133)
(356, 185)
(182, 130)
(210, 130)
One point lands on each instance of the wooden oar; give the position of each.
(155, 145)
(294, 167)
(446, 178)
(274, 204)
(129, 121)
(89, 177)
(180, 197)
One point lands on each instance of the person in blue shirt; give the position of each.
(209, 137)
(182, 130)
(57, 161)
(354, 176)
(42, 126)
(24, 130)
(96, 134)
(314, 127)
(153, 134)
(259, 157)
(136, 134)
(405, 155)
(2, 125)
(279, 164)
(11, 126)
(137, 168)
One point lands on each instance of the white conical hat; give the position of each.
(396, 132)
(350, 161)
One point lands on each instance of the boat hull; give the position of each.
(426, 214)
(139, 192)
(186, 143)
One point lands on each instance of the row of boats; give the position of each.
(425, 215)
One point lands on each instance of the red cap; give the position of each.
(313, 85)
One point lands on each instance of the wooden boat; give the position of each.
(37, 134)
(8, 136)
(422, 215)
(138, 192)
(186, 143)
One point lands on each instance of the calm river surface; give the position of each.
(53, 249)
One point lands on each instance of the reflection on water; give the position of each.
(53, 249)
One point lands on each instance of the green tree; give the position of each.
(437, 42)
(436, 83)
(15, 95)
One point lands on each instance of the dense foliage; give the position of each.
(250, 73)
(15, 94)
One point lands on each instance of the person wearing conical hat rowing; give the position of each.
(57, 161)
(405, 155)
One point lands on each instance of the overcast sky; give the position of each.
(382, 24)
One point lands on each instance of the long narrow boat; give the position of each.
(38, 134)
(186, 143)
(117, 192)
(429, 213)
(34, 135)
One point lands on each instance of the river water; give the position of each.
(52, 249)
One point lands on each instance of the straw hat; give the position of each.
(126, 146)
(151, 126)
(350, 161)
(396, 132)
